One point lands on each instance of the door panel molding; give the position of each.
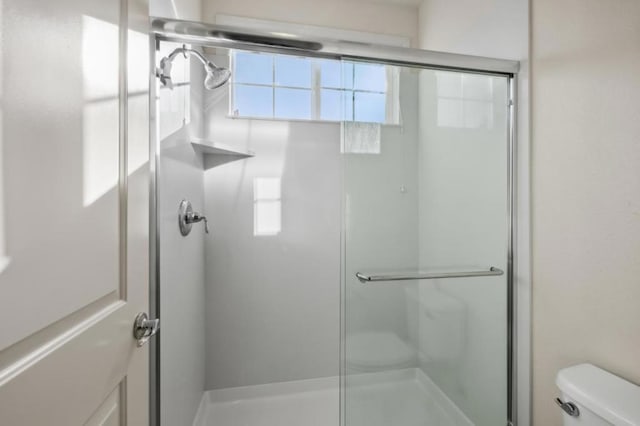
(72, 371)
(42, 351)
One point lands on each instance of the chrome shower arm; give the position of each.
(216, 76)
(184, 50)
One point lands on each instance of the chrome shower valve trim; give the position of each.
(187, 217)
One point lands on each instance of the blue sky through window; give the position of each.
(370, 77)
(253, 101)
(293, 71)
(253, 68)
(298, 88)
(293, 103)
(369, 107)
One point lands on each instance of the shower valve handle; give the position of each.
(195, 217)
(187, 217)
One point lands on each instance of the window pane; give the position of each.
(348, 106)
(252, 101)
(330, 74)
(331, 105)
(370, 107)
(292, 71)
(253, 68)
(293, 103)
(371, 77)
(336, 105)
(347, 75)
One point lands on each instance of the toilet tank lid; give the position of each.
(610, 397)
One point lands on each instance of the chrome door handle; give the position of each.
(144, 328)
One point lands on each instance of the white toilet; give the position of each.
(594, 397)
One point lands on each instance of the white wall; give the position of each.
(496, 28)
(189, 10)
(586, 191)
(493, 28)
(389, 19)
(182, 361)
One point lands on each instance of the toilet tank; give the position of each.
(602, 398)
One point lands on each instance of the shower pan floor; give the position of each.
(400, 397)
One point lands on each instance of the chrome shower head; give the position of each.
(216, 76)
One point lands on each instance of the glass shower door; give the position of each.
(424, 319)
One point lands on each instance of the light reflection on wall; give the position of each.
(138, 100)
(100, 61)
(465, 101)
(100, 135)
(267, 206)
(175, 104)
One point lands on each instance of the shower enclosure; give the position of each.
(357, 265)
(426, 243)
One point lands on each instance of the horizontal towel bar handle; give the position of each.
(365, 278)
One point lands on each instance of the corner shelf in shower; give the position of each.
(215, 154)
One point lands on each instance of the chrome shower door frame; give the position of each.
(209, 35)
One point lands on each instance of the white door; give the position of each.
(74, 208)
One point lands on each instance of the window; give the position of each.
(298, 88)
